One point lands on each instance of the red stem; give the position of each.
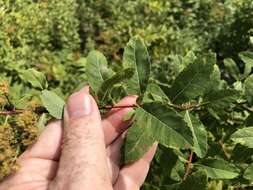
(42, 110)
(188, 166)
(111, 107)
(13, 112)
(19, 111)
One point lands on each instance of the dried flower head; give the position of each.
(4, 87)
(7, 152)
(3, 101)
(34, 104)
(27, 123)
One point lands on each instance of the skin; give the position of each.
(81, 152)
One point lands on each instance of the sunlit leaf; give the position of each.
(53, 103)
(218, 168)
(244, 136)
(136, 56)
(247, 58)
(199, 134)
(108, 84)
(248, 174)
(35, 78)
(249, 89)
(232, 68)
(191, 82)
(96, 69)
(156, 122)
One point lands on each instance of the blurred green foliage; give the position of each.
(55, 36)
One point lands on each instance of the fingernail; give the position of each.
(79, 105)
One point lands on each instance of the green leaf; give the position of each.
(197, 180)
(218, 168)
(199, 134)
(172, 169)
(232, 68)
(244, 136)
(249, 120)
(96, 69)
(42, 123)
(215, 80)
(191, 82)
(136, 56)
(35, 78)
(247, 58)
(108, 84)
(129, 115)
(249, 89)
(138, 141)
(241, 153)
(215, 185)
(154, 93)
(221, 98)
(53, 103)
(248, 174)
(156, 122)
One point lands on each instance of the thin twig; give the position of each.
(38, 110)
(41, 110)
(13, 112)
(9, 101)
(108, 107)
(112, 107)
(223, 148)
(188, 166)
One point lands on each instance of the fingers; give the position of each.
(48, 144)
(132, 176)
(114, 156)
(45, 169)
(32, 170)
(83, 158)
(114, 123)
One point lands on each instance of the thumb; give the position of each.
(83, 162)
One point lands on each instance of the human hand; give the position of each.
(84, 154)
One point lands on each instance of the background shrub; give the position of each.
(55, 37)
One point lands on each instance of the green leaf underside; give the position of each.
(218, 168)
(191, 82)
(108, 84)
(249, 89)
(248, 174)
(53, 103)
(199, 135)
(96, 69)
(136, 56)
(156, 122)
(35, 78)
(244, 137)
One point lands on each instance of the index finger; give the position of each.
(113, 122)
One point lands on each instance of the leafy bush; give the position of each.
(197, 104)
